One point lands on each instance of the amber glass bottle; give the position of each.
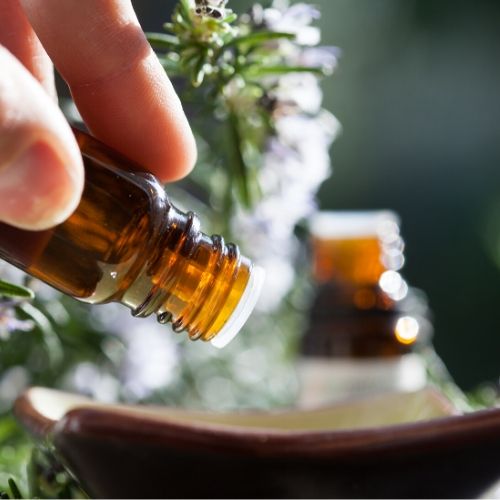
(127, 243)
(365, 321)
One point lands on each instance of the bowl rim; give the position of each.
(91, 421)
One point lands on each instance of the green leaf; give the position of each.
(241, 168)
(170, 66)
(198, 74)
(230, 18)
(31, 471)
(14, 489)
(52, 341)
(185, 11)
(9, 290)
(163, 41)
(260, 37)
(8, 429)
(258, 71)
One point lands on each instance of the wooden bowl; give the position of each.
(395, 445)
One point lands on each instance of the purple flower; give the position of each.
(295, 19)
(9, 323)
(320, 57)
(146, 357)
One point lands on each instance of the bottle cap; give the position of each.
(353, 224)
(243, 310)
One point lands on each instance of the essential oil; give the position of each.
(127, 243)
(365, 322)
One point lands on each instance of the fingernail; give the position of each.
(36, 189)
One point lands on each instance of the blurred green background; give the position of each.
(418, 94)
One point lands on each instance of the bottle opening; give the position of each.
(243, 310)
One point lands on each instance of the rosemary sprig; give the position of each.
(232, 63)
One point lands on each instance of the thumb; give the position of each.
(41, 170)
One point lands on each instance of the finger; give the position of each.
(117, 82)
(41, 170)
(17, 35)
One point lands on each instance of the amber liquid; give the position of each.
(351, 315)
(127, 243)
(355, 261)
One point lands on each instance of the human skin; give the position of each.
(117, 83)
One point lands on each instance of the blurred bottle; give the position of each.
(365, 322)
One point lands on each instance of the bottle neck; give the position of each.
(196, 282)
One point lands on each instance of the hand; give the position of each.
(117, 83)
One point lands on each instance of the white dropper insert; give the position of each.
(243, 309)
